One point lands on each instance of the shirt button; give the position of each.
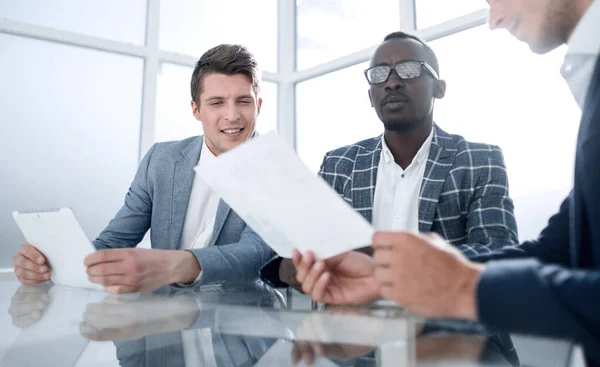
(403, 175)
(397, 216)
(209, 221)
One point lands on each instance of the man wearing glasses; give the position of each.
(416, 177)
(549, 286)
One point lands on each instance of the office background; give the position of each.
(87, 86)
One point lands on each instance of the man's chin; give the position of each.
(543, 42)
(541, 48)
(400, 126)
(231, 142)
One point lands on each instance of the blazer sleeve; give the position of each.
(132, 221)
(534, 290)
(551, 247)
(491, 222)
(234, 262)
(526, 296)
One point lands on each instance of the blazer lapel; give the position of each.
(439, 162)
(586, 128)
(183, 180)
(223, 211)
(364, 178)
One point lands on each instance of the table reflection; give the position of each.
(236, 325)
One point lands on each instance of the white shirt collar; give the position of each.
(580, 60)
(422, 154)
(584, 39)
(206, 154)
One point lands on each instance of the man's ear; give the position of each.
(196, 110)
(258, 106)
(440, 89)
(370, 98)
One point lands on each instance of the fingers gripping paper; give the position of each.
(270, 188)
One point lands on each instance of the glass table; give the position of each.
(242, 325)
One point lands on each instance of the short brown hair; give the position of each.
(225, 59)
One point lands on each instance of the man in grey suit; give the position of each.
(415, 176)
(196, 238)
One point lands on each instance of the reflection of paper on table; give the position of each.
(362, 330)
(250, 321)
(280, 354)
(269, 187)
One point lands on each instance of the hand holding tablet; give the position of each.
(58, 245)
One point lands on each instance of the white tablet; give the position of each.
(58, 235)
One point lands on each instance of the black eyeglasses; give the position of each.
(406, 70)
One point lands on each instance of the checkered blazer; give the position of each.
(464, 193)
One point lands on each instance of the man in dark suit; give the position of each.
(550, 286)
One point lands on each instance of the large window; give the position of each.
(330, 29)
(117, 20)
(432, 12)
(193, 26)
(499, 92)
(333, 111)
(69, 132)
(174, 118)
(267, 120)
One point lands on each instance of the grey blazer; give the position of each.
(158, 200)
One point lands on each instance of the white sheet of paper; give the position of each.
(268, 186)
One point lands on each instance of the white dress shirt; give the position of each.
(397, 191)
(197, 348)
(584, 47)
(201, 212)
(197, 233)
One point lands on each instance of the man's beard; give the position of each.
(400, 125)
